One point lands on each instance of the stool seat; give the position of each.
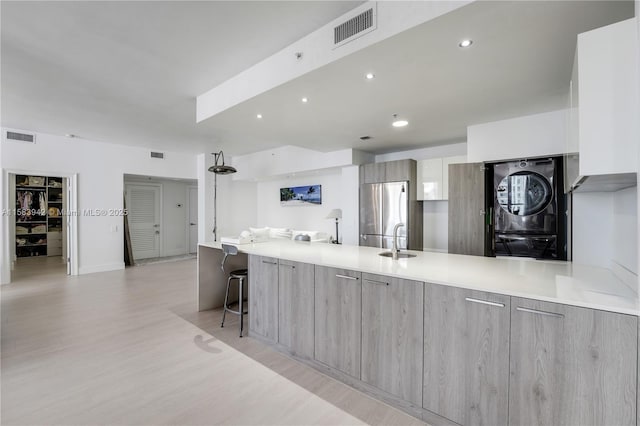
(239, 272)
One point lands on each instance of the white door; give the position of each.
(143, 204)
(193, 220)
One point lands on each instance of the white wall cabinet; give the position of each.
(607, 99)
(433, 177)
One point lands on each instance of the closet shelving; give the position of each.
(39, 208)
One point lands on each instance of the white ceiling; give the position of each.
(520, 63)
(129, 71)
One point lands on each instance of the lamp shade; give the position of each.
(335, 214)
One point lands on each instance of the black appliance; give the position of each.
(527, 208)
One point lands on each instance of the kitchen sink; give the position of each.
(400, 255)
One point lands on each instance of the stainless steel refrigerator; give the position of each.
(382, 206)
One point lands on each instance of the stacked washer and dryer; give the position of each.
(528, 212)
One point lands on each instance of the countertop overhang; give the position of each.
(550, 281)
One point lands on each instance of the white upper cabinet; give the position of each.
(607, 100)
(433, 177)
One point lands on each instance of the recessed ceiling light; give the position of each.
(259, 116)
(399, 122)
(370, 76)
(465, 43)
(305, 100)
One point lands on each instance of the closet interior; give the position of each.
(40, 218)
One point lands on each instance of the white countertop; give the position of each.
(551, 281)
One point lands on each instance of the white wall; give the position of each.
(605, 230)
(175, 209)
(522, 137)
(100, 168)
(237, 202)
(309, 218)
(449, 150)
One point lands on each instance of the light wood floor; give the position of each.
(127, 347)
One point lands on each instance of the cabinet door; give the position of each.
(372, 173)
(263, 296)
(295, 312)
(466, 209)
(338, 310)
(571, 366)
(392, 335)
(466, 355)
(400, 170)
(458, 159)
(429, 185)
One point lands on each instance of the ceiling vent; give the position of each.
(157, 154)
(20, 137)
(355, 27)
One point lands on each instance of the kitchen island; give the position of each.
(451, 338)
(550, 281)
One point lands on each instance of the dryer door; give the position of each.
(524, 193)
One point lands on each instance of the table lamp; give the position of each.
(335, 214)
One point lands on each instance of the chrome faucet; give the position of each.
(394, 248)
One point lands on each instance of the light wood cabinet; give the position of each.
(295, 307)
(466, 355)
(467, 209)
(263, 296)
(392, 312)
(389, 171)
(338, 319)
(571, 366)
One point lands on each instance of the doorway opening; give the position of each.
(42, 226)
(161, 224)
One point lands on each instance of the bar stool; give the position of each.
(240, 275)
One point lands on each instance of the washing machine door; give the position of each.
(524, 193)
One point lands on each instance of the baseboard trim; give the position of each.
(83, 270)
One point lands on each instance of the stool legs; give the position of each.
(240, 302)
(226, 299)
(240, 308)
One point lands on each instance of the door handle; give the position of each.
(290, 266)
(193, 224)
(156, 226)
(347, 277)
(537, 312)
(484, 302)
(269, 263)
(376, 282)
(157, 232)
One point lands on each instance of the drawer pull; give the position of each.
(290, 266)
(535, 311)
(347, 277)
(484, 302)
(269, 263)
(376, 282)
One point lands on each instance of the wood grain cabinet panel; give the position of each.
(392, 310)
(338, 319)
(571, 366)
(466, 206)
(295, 310)
(466, 355)
(263, 296)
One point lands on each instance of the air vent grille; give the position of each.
(157, 154)
(356, 26)
(21, 137)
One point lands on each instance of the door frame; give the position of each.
(161, 205)
(188, 221)
(72, 219)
